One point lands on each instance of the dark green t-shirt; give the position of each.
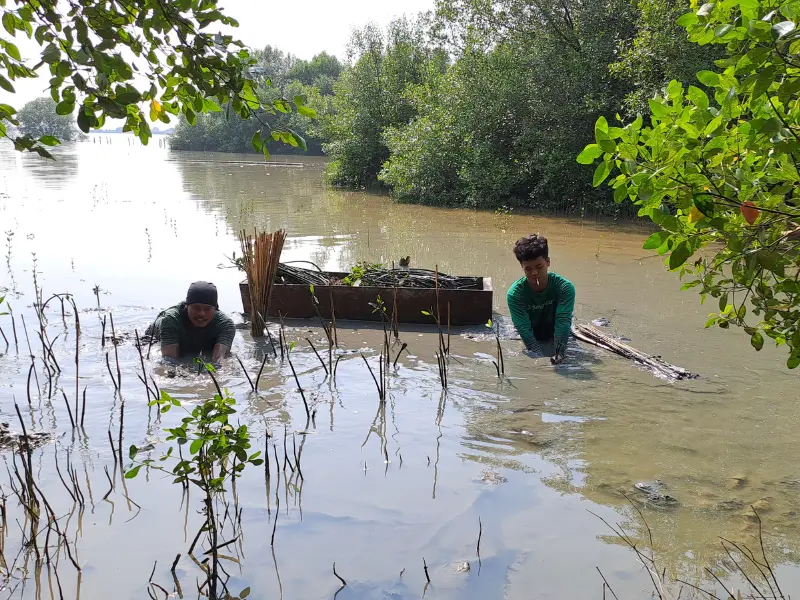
(543, 316)
(174, 327)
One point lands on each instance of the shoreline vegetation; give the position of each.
(474, 107)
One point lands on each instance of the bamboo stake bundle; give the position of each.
(261, 255)
(656, 364)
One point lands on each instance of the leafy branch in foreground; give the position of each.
(218, 453)
(720, 173)
(125, 59)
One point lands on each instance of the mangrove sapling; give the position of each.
(498, 364)
(328, 329)
(214, 442)
(115, 341)
(246, 374)
(261, 369)
(13, 326)
(322, 362)
(381, 387)
(396, 358)
(444, 350)
(143, 377)
(299, 387)
(333, 319)
(108, 366)
(344, 583)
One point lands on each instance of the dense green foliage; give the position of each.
(503, 126)
(717, 168)
(659, 52)
(38, 119)
(372, 95)
(500, 122)
(278, 74)
(127, 58)
(320, 72)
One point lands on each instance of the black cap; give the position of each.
(202, 292)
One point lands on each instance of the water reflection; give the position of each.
(526, 456)
(698, 437)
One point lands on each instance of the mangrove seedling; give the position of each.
(498, 364)
(218, 453)
(358, 271)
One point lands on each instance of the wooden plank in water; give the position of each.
(656, 364)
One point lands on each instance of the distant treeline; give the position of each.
(289, 76)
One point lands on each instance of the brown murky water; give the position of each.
(530, 458)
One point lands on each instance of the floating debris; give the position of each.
(653, 489)
(463, 567)
(9, 439)
(489, 477)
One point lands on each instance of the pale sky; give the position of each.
(300, 28)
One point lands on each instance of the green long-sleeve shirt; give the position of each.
(543, 316)
(174, 327)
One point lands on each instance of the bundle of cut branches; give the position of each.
(260, 257)
(656, 364)
(296, 275)
(416, 278)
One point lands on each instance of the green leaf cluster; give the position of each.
(128, 60)
(218, 450)
(716, 168)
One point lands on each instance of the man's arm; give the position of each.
(521, 320)
(563, 325)
(224, 341)
(168, 334)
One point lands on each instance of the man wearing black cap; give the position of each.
(196, 326)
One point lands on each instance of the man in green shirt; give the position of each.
(196, 326)
(541, 303)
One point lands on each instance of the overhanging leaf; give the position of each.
(601, 173)
(705, 204)
(6, 85)
(679, 255)
(697, 97)
(658, 109)
(757, 340)
(655, 240)
(590, 154)
(709, 78)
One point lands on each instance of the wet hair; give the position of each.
(531, 247)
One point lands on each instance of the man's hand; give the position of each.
(560, 352)
(220, 351)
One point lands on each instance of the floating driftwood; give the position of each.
(592, 335)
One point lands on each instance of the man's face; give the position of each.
(536, 270)
(200, 314)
